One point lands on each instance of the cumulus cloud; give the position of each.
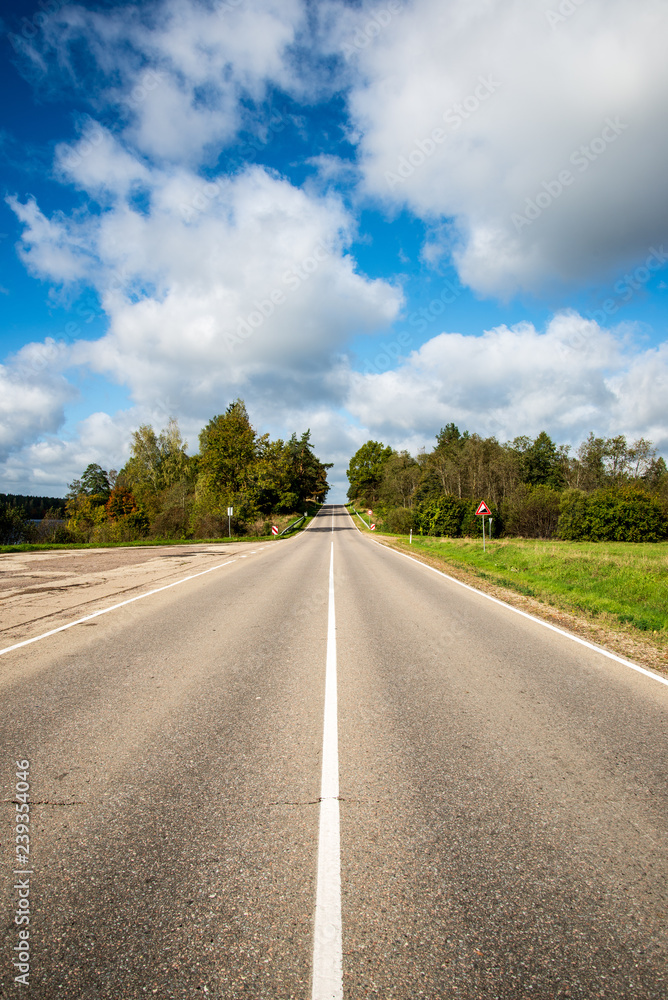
(477, 111)
(180, 74)
(33, 394)
(569, 379)
(209, 285)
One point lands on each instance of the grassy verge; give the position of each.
(612, 593)
(281, 521)
(620, 579)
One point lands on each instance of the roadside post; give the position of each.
(410, 539)
(480, 512)
(230, 512)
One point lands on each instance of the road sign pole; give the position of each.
(483, 532)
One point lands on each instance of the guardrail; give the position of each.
(293, 525)
(368, 523)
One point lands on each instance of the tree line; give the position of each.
(608, 489)
(162, 492)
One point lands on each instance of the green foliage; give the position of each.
(399, 521)
(15, 527)
(441, 516)
(34, 507)
(532, 511)
(94, 484)
(365, 472)
(541, 462)
(624, 514)
(161, 492)
(624, 582)
(527, 484)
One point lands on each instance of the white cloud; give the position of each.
(212, 285)
(33, 394)
(572, 378)
(515, 99)
(176, 70)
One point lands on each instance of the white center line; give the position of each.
(327, 944)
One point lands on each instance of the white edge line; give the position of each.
(114, 607)
(524, 614)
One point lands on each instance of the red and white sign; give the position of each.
(369, 512)
(373, 527)
(483, 508)
(274, 529)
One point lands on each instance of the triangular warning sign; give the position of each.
(483, 508)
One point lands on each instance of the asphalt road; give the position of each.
(502, 799)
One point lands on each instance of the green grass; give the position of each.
(141, 542)
(624, 580)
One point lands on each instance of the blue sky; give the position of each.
(369, 219)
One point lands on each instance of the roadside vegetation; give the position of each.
(164, 494)
(579, 538)
(608, 490)
(628, 583)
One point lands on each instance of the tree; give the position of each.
(541, 462)
(365, 472)
(228, 465)
(93, 484)
(157, 462)
(401, 475)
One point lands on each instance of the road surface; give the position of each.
(492, 821)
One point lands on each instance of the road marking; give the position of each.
(114, 607)
(532, 618)
(327, 938)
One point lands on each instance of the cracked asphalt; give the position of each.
(503, 792)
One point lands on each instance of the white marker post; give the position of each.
(230, 512)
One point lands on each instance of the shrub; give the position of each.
(624, 514)
(441, 516)
(532, 511)
(398, 520)
(14, 525)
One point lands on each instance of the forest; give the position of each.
(607, 490)
(163, 493)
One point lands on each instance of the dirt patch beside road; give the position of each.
(43, 590)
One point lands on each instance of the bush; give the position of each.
(441, 516)
(14, 525)
(398, 520)
(625, 514)
(532, 511)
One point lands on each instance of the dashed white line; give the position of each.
(327, 937)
